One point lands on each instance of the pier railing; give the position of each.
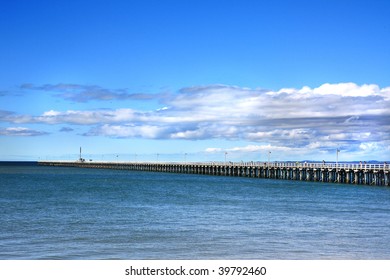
(316, 165)
(348, 173)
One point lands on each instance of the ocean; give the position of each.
(76, 213)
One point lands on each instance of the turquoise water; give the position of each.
(71, 213)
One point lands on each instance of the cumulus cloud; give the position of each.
(325, 117)
(20, 131)
(128, 131)
(213, 150)
(73, 117)
(347, 89)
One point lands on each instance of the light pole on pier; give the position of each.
(157, 157)
(337, 158)
(269, 155)
(225, 157)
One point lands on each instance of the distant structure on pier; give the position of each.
(80, 158)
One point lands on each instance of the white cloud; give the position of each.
(51, 113)
(340, 89)
(188, 134)
(286, 134)
(83, 117)
(263, 152)
(163, 108)
(213, 150)
(347, 89)
(369, 146)
(344, 114)
(234, 105)
(127, 131)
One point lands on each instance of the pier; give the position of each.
(360, 174)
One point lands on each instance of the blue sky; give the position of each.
(128, 80)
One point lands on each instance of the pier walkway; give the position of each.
(344, 173)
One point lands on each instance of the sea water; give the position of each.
(75, 213)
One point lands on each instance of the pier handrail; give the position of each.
(350, 173)
(281, 164)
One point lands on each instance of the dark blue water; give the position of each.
(70, 213)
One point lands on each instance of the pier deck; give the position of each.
(344, 173)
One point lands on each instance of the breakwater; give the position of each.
(362, 174)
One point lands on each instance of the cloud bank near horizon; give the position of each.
(355, 117)
(85, 93)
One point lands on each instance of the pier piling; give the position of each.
(343, 173)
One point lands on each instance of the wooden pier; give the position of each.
(361, 174)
